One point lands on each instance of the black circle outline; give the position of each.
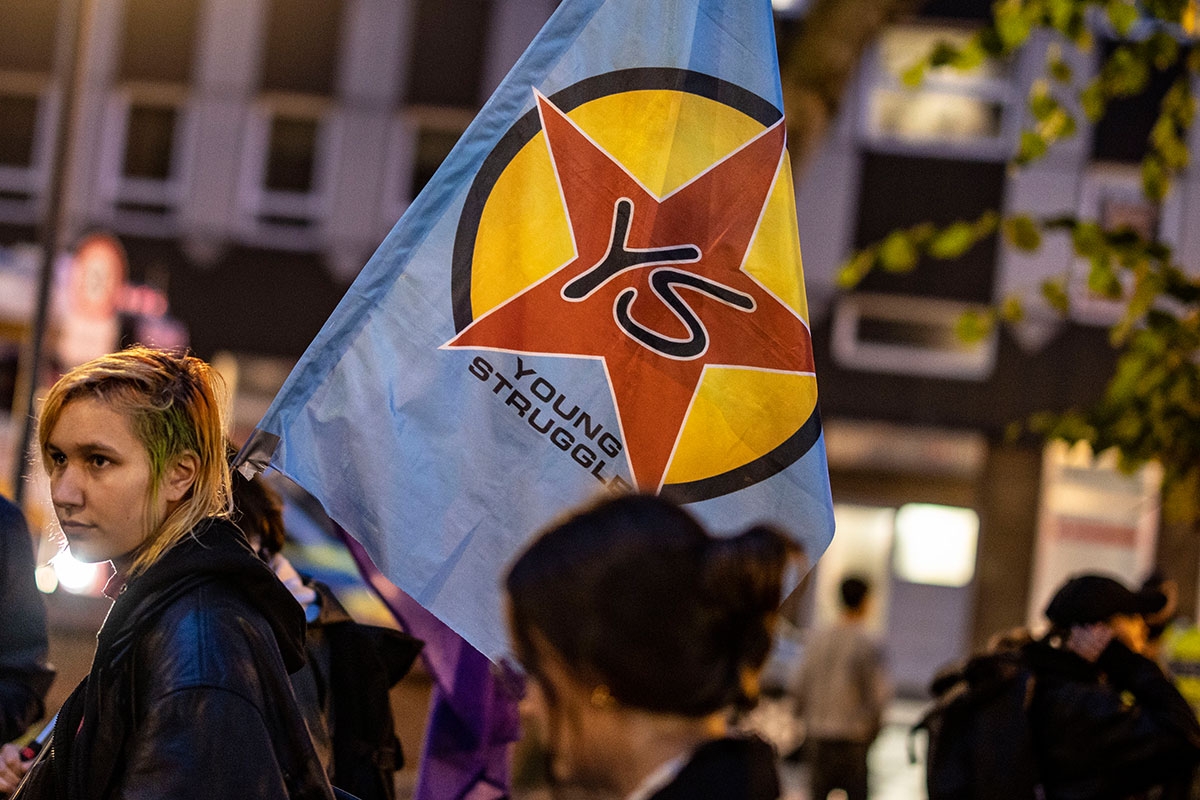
(528, 126)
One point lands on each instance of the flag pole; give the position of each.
(77, 15)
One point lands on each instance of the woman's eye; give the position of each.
(98, 461)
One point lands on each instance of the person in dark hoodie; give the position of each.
(344, 687)
(640, 632)
(25, 674)
(1106, 722)
(188, 693)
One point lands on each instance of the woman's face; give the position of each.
(576, 737)
(100, 482)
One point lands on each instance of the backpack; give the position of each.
(980, 739)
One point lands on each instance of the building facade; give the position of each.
(919, 423)
(249, 155)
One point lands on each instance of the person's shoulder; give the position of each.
(199, 632)
(731, 768)
(12, 519)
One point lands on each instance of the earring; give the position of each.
(602, 697)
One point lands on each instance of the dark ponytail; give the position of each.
(633, 594)
(744, 576)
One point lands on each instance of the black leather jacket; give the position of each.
(1112, 729)
(188, 695)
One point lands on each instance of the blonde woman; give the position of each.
(188, 694)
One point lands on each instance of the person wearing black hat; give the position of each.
(1106, 721)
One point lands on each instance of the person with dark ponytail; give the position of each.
(640, 632)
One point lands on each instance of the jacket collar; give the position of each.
(1049, 659)
(215, 551)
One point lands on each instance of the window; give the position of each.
(932, 115)
(1111, 195)
(302, 46)
(898, 191)
(147, 121)
(158, 40)
(1093, 517)
(935, 545)
(966, 109)
(148, 142)
(291, 153)
(420, 139)
(980, 10)
(446, 55)
(1122, 133)
(17, 134)
(908, 336)
(286, 169)
(860, 547)
(141, 158)
(23, 143)
(27, 34)
(433, 146)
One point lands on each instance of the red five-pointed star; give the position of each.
(655, 288)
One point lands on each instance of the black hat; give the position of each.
(1085, 599)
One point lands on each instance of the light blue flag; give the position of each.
(600, 288)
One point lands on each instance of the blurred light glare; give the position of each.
(789, 8)
(75, 576)
(46, 579)
(935, 545)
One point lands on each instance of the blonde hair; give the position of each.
(176, 405)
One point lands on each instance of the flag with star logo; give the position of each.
(600, 290)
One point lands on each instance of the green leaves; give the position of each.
(957, 238)
(901, 250)
(1150, 409)
(1093, 100)
(1022, 233)
(1033, 146)
(1054, 122)
(1168, 153)
(1054, 292)
(898, 252)
(1013, 21)
(1122, 14)
(974, 326)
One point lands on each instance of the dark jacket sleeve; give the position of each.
(25, 676)
(1117, 738)
(1159, 724)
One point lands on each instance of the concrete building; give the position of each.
(968, 531)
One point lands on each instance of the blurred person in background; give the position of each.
(188, 694)
(841, 691)
(1106, 721)
(343, 688)
(25, 675)
(640, 632)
